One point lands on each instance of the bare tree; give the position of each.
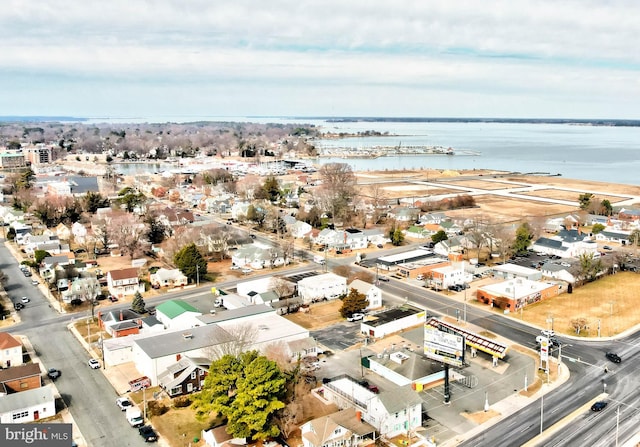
(579, 324)
(128, 232)
(242, 338)
(338, 187)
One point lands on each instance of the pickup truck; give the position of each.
(134, 417)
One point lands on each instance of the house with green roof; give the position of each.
(177, 314)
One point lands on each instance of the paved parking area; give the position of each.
(339, 336)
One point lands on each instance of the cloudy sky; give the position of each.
(435, 58)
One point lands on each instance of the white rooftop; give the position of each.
(516, 288)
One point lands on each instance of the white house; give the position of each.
(79, 232)
(124, 282)
(300, 229)
(371, 292)
(258, 256)
(27, 406)
(168, 278)
(566, 244)
(10, 350)
(391, 412)
(322, 287)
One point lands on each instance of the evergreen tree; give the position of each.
(524, 235)
(353, 302)
(397, 237)
(439, 236)
(138, 305)
(246, 390)
(190, 262)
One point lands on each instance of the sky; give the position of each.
(400, 58)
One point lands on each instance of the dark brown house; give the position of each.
(185, 376)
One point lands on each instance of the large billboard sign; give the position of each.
(443, 346)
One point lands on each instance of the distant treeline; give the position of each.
(585, 122)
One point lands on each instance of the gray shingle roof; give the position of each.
(399, 399)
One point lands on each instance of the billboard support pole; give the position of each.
(447, 391)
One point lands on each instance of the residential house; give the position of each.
(218, 437)
(20, 378)
(566, 244)
(185, 376)
(344, 428)
(455, 244)
(124, 282)
(612, 235)
(10, 351)
(63, 232)
(322, 287)
(390, 413)
(177, 314)
(629, 214)
(11, 216)
(120, 323)
(417, 232)
(168, 278)
(27, 406)
(258, 255)
(79, 232)
(404, 213)
(239, 210)
(371, 292)
(85, 288)
(300, 229)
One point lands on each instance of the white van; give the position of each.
(318, 259)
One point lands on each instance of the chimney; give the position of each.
(359, 416)
(121, 317)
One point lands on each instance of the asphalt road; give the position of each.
(87, 393)
(91, 398)
(585, 360)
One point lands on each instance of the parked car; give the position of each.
(606, 247)
(112, 298)
(420, 277)
(383, 278)
(246, 270)
(94, 364)
(53, 373)
(615, 358)
(148, 433)
(18, 306)
(598, 406)
(380, 246)
(35, 282)
(123, 403)
(25, 299)
(356, 317)
(235, 267)
(27, 273)
(374, 389)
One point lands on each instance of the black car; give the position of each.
(615, 358)
(18, 306)
(53, 373)
(148, 433)
(598, 406)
